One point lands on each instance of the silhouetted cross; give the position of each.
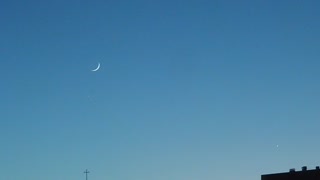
(86, 173)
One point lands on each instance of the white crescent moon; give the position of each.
(96, 69)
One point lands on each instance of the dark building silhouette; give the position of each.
(304, 174)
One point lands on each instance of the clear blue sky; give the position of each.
(187, 90)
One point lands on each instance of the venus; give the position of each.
(96, 69)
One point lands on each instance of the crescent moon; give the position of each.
(96, 69)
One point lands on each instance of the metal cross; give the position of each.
(86, 173)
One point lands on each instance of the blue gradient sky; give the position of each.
(187, 90)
